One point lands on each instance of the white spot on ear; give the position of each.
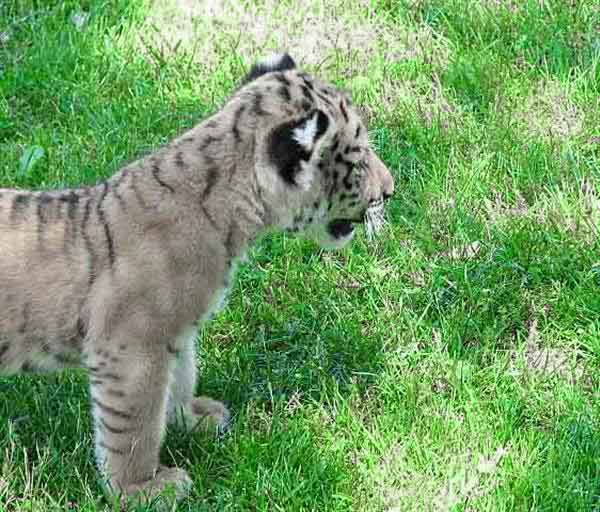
(305, 134)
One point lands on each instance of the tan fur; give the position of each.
(114, 277)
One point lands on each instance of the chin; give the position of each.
(334, 235)
(335, 243)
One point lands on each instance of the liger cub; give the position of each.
(115, 277)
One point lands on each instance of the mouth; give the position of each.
(341, 228)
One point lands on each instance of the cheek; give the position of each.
(350, 181)
(310, 215)
(348, 202)
(341, 190)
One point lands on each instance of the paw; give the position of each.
(169, 485)
(210, 414)
(204, 413)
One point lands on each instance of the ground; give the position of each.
(453, 364)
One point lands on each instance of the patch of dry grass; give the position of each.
(314, 31)
(573, 208)
(461, 479)
(539, 360)
(550, 113)
(340, 39)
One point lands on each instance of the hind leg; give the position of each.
(129, 382)
(185, 410)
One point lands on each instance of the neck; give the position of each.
(216, 166)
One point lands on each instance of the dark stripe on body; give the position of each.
(116, 451)
(115, 392)
(233, 229)
(110, 376)
(26, 314)
(156, 174)
(260, 213)
(80, 328)
(77, 338)
(209, 218)
(236, 120)
(43, 200)
(114, 430)
(115, 191)
(88, 242)
(179, 162)
(208, 140)
(102, 217)
(20, 203)
(136, 191)
(211, 179)
(70, 231)
(111, 410)
(4, 349)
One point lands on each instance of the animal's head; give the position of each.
(313, 158)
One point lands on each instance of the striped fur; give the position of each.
(114, 277)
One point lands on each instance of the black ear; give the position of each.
(294, 142)
(278, 62)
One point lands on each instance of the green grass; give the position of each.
(405, 375)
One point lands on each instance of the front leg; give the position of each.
(185, 410)
(129, 382)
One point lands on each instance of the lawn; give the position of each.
(454, 363)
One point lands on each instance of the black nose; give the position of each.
(386, 195)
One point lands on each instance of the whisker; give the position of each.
(374, 220)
